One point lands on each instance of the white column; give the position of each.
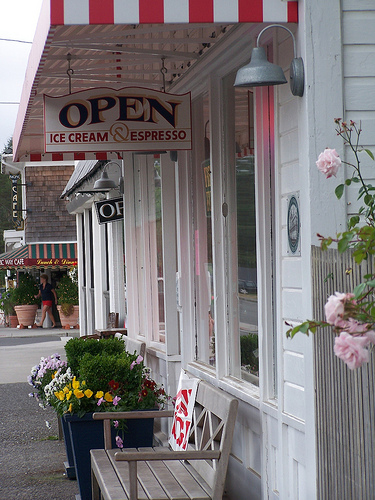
(116, 270)
(99, 265)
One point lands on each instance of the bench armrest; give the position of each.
(107, 416)
(119, 415)
(138, 456)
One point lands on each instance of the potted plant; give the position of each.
(67, 292)
(101, 376)
(25, 301)
(7, 306)
(41, 375)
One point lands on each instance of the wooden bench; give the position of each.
(132, 345)
(160, 473)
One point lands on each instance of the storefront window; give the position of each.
(204, 298)
(246, 235)
(149, 244)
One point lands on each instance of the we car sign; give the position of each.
(130, 119)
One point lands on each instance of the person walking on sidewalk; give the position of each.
(48, 294)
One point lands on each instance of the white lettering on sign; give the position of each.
(109, 210)
(130, 119)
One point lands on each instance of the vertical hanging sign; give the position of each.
(17, 220)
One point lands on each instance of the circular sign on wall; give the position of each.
(293, 226)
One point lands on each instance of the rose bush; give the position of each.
(351, 315)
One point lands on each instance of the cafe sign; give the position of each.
(109, 210)
(104, 119)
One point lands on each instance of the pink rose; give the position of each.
(334, 308)
(328, 162)
(354, 326)
(370, 336)
(351, 349)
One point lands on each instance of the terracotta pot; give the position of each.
(70, 321)
(13, 321)
(26, 315)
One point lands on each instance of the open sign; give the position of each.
(129, 119)
(109, 210)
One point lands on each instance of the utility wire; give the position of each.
(12, 40)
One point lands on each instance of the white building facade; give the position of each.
(211, 265)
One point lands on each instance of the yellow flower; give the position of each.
(99, 394)
(66, 389)
(70, 408)
(88, 393)
(60, 395)
(78, 393)
(108, 397)
(83, 382)
(69, 395)
(75, 383)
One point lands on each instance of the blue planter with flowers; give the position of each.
(87, 434)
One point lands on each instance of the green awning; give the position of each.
(46, 255)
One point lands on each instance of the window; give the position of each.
(149, 244)
(202, 237)
(247, 282)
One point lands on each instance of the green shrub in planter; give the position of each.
(98, 371)
(76, 349)
(67, 293)
(24, 293)
(6, 303)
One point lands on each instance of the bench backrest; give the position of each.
(212, 428)
(132, 345)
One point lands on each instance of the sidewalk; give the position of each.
(31, 456)
(22, 349)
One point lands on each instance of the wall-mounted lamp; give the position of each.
(260, 72)
(105, 184)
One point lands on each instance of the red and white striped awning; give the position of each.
(120, 43)
(172, 11)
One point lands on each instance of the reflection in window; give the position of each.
(205, 337)
(246, 235)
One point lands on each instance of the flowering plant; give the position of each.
(351, 315)
(43, 373)
(101, 381)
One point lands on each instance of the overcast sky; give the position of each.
(18, 22)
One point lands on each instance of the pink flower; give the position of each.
(354, 326)
(116, 400)
(136, 362)
(100, 401)
(352, 349)
(328, 162)
(115, 424)
(370, 336)
(119, 442)
(334, 308)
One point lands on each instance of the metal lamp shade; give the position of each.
(259, 72)
(104, 182)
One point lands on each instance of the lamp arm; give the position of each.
(279, 26)
(114, 163)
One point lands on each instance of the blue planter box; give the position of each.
(69, 464)
(87, 434)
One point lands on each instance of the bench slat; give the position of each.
(106, 477)
(186, 480)
(122, 471)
